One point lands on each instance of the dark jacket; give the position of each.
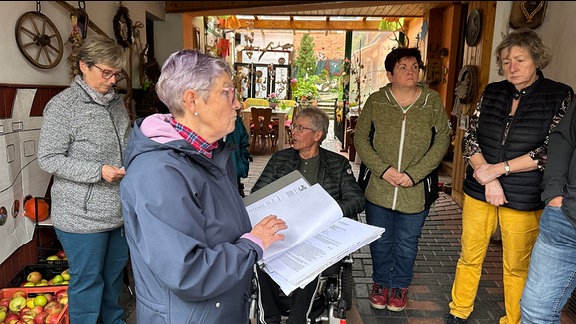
(528, 131)
(184, 223)
(241, 155)
(335, 176)
(560, 173)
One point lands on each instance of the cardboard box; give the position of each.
(63, 317)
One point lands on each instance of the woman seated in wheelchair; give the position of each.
(318, 165)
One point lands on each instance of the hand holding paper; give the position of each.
(317, 236)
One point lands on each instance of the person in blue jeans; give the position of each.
(553, 262)
(82, 141)
(405, 115)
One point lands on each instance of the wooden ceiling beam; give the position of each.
(309, 24)
(215, 8)
(200, 8)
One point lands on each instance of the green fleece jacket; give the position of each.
(402, 140)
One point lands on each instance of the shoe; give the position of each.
(451, 319)
(379, 296)
(397, 300)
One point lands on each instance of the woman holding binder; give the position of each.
(318, 165)
(192, 246)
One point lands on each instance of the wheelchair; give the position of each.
(332, 298)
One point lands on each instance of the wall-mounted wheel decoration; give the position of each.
(122, 27)
(38, 40)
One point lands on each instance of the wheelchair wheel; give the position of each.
(347, 284)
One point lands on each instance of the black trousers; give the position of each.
(272, 302)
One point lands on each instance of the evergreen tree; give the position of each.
(306, 61)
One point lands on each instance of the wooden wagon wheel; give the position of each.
(38, 40)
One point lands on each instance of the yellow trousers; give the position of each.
(519, 231)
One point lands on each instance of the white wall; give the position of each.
(17, 70)
(168, 36)
(556, 32)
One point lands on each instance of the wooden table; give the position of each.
(277, 113)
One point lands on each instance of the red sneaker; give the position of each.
(397, 300)
(379, 296)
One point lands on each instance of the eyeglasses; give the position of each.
(230, 91)
(299, 128)
(107, 74)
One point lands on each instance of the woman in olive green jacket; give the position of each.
(411, 136)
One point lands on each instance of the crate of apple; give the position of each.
(58, 257)
(40, 275)
(37, 305)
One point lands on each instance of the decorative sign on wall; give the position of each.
(528, 14)
(473, 27)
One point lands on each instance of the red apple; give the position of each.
(53, 307)
(41, 318)
(11, 317)
(5, 302)
(61, 254)
(27, 316)
(38, 309)
(52, 318)
(50, 297)
(24, 309)
(60, 293)
(19, 293)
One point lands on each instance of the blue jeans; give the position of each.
(551, 278)
(96, 264)
(394, 253)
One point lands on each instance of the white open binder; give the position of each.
(317, 237)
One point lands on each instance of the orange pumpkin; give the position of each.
(30, 208)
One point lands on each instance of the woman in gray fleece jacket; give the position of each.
(83, 136)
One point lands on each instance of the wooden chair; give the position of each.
(293, 105)
(261, 127)
(288, 123)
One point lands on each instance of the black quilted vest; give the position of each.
(528, 129)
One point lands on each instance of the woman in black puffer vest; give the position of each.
(505, 148)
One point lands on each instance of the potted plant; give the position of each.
(273, 100)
